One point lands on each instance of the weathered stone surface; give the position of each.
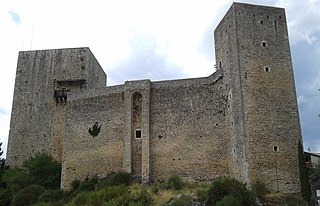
(241, 121)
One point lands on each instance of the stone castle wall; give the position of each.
(254, 44)
(241, 121)
(37, 122)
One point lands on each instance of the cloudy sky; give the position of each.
(154, 39)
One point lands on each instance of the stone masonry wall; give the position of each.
(187, 123)
(83, 154)
(270, 105)
(226, 50)
(36, 79)
(252, 44)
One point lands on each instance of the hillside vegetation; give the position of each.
(37, 182)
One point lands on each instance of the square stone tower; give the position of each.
(252, 49)
(43, 80)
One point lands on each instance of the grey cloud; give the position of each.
(303, 19)
(306, 67)
(144, 63)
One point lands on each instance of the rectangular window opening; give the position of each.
(267, 69)
(138, 133)
(275, 148)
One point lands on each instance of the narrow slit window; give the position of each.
(138, 134)
(267, 69)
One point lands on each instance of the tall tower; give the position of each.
(43, 80)
(252, 49)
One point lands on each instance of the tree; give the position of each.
(2, 167)
(43, 170)
(304, 174)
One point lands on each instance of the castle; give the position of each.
(241, 121)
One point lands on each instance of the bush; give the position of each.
(260, 190)
(202, 195)
(39, 170)
(95, 199)
(75, 185)
(114, 192)
(120, 178)
(228, 201)
(175, 182)
(88, 184)
(113, 179)
(292, 200)
(16, 179)
(51, 196)
(81, 199)
(181, 200)
(227, 186)
(28, 195)
(43, 204)
(5, 197)
(115, 195)
(43, 170)
(141, 196)
(304, 174)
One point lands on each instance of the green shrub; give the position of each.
(88, 184)
(181, 200)
(43, 204)
(120, 178)
(136, 204)
(175, 182)
(81, 199)
(304, 174)
(95, 199)
(39, 170)
(51, 196)
(43, 170)
(260, 190)
(202, 195)
(142, 197)
(227, 186)
(292, 200)
(228, 201)
(5, 197)
(16, 179)
(114, 192)
(75, 185)
(113, 179)
(28, 196)
(155, 189)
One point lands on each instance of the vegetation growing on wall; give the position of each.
(94, 130)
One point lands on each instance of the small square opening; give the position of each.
(275, 148)
(267, 69)
(138, 133)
